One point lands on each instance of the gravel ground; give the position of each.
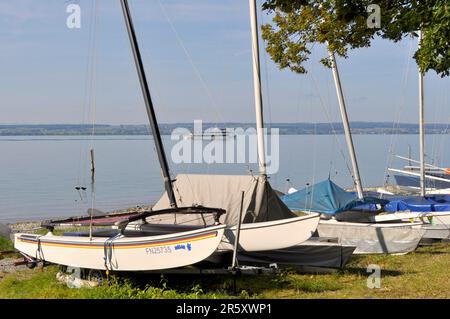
(7, 265)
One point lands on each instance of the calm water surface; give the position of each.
(39, 174)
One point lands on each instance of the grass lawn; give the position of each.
(422, 274)
(5, 244)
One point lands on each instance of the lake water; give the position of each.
(39, 174)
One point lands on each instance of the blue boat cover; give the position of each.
(436, 203)
(328, 198)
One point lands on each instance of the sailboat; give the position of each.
(437, 179)
(267, 223)
(347, 215)
(313, 255)
(425, 172)
(121, 249)
(434, 206)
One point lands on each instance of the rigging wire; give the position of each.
(193, 65)
(155, 92)
(80, 180)
(266, 71)
(297, 117)
(445, 101)
(437, 149)
(206, 88)
(93, 109)
(335, 135)
(396, 123)
(314, 159)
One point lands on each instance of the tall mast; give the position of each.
(258, 107)
(348, 133)
(148, 104)
(257, 88)
(421, 128)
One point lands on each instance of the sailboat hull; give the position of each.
(439, 227)
(277, 234)
(372, 238)
(314, 255)
(437, 224)
(122, 253)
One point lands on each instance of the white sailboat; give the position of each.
(437, 179)
(437, 223)
(267, 223)
(373, 237)
(274, 227)
(298, 228)
(122, 250)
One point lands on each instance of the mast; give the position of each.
(258, 107)
(348, 133)
(148, 103)
(257, 88)
(421, 128)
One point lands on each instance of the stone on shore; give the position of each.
(5, 231)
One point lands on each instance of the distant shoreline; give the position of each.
(364, 128)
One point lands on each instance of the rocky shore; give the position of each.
(30, 225)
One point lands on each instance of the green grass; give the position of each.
(5, 244)
(41, 283)
(423, 274)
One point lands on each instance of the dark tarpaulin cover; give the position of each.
(328, 198)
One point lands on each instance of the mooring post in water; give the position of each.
(92, 162)
(238, 233)
(92, 190)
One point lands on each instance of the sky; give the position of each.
(197, 56)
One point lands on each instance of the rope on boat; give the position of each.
(108, 251)
(39, 253)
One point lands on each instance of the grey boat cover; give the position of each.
(369, 239)
(222, 191)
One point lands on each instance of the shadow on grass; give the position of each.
(419, 252)
(253, 285)
(316, 285)
(228, 285)
(363, 272)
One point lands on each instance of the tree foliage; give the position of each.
(342, 24)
